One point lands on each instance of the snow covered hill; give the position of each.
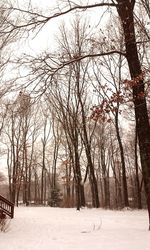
(38, 228)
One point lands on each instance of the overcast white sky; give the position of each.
(46, 37)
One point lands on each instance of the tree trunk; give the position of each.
(125, 10)
(105, 177)
(80, 198)
(124, 179)
(87, 144)
(139, 199)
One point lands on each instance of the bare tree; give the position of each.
(126, 10)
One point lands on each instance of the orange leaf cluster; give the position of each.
(133, 82)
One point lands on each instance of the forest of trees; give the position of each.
(74, 120)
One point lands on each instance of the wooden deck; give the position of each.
(7, 207)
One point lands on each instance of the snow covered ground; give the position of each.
(38, 228)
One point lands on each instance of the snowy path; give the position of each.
(67, 229)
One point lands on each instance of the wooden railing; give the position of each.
(6, 206)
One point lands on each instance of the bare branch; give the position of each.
(39, 19)
(89, 56)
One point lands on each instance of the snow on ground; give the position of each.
(45, 228)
